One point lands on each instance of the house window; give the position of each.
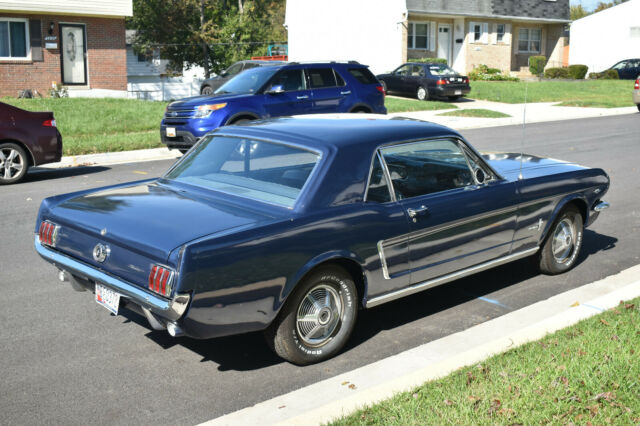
(529, 40)
(14, 38)
(418, 36)
(478, 31)
(500, 33)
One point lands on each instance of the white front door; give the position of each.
(444, 42)
(73, 51)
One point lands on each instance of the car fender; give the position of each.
(252, 114)
(559, 207)
(360, 105)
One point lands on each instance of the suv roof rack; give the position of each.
(324, 62)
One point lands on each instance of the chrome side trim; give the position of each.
(383, 261)
(602, 205)
(416, 288)
(170, 309)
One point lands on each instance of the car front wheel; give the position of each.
(207, 90)
(562, 246)
(422, 94)
(317, 319)
(13, 163)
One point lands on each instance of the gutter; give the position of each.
(479, 15)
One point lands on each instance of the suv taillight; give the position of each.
(381, 90)
(637, 85)
(161, 280)
(48, 233)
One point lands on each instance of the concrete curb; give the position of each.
(106, 158)
(323, 401)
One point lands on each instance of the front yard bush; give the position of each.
(430, 60)
(556, 73)
(536, 64)
(605, 75)
(577, 72)
(484, 73)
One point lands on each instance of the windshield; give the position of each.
(441, 69)
(249, 81)
(259, 170)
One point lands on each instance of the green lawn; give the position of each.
(585, 374)
(101, 125)
(476, 112)
(587, 93)
(405, 105)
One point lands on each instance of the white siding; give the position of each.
(162, 88)
(70, 7)
(152, 67)
(368, 31)
(604, 38)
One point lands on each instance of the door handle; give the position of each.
(303, 97)
(348, 92)
(413, 213)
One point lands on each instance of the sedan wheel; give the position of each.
(317, 319)
(207, 90)
(422, 93)
(563, 243)
(13, 163)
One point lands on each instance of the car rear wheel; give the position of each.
(13, 163)
(564, 241)
(317, 319)
(422, 94)
(207, 90)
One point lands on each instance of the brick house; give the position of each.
(385, 33)
(77, 43)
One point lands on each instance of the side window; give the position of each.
(363, 75)
(339, 80)
(403, 70)
(290, 80)
(321, 77)
(475, 164)
(234, 69)
(426, 167)
(417, 71)
(378, 191)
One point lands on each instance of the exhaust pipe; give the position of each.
(76, 283)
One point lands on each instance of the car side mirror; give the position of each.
(274, 90)
(480, 176)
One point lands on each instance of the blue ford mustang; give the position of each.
(293, 224)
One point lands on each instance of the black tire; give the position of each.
(329, 300)
(453, 98)
(422, 94)
(207, 90)
(14, 163)
(562, 246)
(638, 107)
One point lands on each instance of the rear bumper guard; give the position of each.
(171, 309)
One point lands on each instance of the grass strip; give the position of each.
(406, 105)
(476, 112)
(588, 373)
(587, 93)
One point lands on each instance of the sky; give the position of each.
(587, 4)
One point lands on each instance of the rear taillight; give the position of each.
(466, 80)
(48, 233)
(380, 89)
(441, 82)
(637, 85)
(49, 123)
(161, 280)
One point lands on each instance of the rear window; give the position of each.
(322, 77)
(363, 75)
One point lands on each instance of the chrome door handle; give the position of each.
(303, 97)
(348, 92)
(413, 213)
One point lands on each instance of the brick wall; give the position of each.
(106, 57)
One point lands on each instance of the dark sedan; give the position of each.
(26, 139)
(292, 225)
(211, 84)
(628, 69)
(425, 81)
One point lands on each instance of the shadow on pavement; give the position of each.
(39, 174)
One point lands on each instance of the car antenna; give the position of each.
(524, 127)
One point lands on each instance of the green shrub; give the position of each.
(484, 73)
(577, 72)
(605, 75)
(536, 64)
(556, 73)
(430, 60)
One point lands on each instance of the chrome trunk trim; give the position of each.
(416, 288)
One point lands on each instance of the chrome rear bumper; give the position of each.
(602, 205)
(171, 310)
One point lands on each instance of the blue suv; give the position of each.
(289, 89)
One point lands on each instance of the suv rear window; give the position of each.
(363, 75)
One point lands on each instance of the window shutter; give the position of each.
(493, 36)
(432, 36)
(35, 39)
(485, 33)
(507, 34)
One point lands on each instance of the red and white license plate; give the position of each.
(171, 132)
(458, 92)
(107, 298)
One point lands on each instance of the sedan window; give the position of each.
(403, 70)
(378, 191)
(441, 69)
(421, 168)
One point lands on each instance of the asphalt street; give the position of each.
(66, 360)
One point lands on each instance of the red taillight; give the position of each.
(381, 90)
(48, 233)
(637, 85)
(160, 280)
(49, 123)
(466, 80)
(441, 82)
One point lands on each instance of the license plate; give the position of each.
(458, 92)
(171, 132)
(107, 298)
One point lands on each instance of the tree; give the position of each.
(578, 12)
(209, 33)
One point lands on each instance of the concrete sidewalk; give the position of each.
(535, 113)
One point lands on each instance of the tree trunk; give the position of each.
(240, 7)
(205, 47)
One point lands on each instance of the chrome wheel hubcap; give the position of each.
(563, 242)
(319, 315)
(11, 164)
(421, 93)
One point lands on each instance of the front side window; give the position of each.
(290, 80)
(13, 38)
(529, 40)
(421, 168)
(403, 70)
(378, 191)
(418, 36)
(263, 171)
